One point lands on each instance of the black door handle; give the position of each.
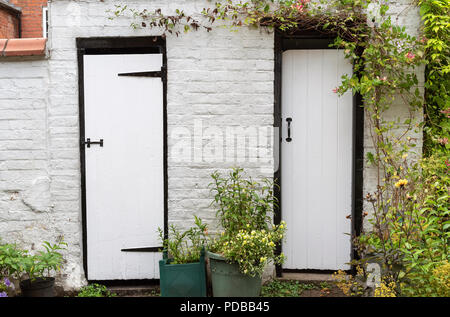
(289, 120)
(88, 142)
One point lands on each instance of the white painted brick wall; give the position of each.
(23, 142)
(220, 79)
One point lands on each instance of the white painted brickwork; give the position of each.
(217, 79)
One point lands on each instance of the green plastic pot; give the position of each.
(182, 280)
(228, 281)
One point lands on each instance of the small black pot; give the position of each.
(39, 287)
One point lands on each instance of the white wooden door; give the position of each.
(125, 176)
(316, 177)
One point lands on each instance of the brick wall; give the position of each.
(220, 79)
(9, 24)
(31, 16)
(23, 151)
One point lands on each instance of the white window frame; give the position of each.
(45, 22)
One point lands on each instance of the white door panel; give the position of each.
(124, 178)
(317, 164)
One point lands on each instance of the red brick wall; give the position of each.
(9, 25)
(31, 16)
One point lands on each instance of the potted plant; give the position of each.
(249, 238)
(33, 270)
(182, 269)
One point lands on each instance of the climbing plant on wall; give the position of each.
(409, 206)
(436, 19)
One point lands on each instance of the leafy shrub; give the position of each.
(243, 204)
(441, 280)
(95, 290)
(252, 250)
(387, 288)
(436, 20)
(20, 264)
(185, 247)
(410, 236)
(249, 236)
(11, 259)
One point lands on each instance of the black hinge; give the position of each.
(145, 249)
(142, 74)
(159, 73)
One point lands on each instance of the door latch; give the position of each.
(88, 142)
(288, 120)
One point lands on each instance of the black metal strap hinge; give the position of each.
(142, 74)
(159, 73)
(144, 249)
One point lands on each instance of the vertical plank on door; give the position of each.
(314, 208)
(329, 161)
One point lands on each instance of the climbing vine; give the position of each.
(436, 19)
(408, 208)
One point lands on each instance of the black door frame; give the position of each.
(107, 46)
(316, 40)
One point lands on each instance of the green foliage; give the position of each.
(284, 15)
(410, 205)
(430, 247)
(440, 283)
(242, 203)
(20, 264)
(433, 281)
(185, 247)
(411, 230)
(11, 259)
(436, 18)
(95, 290)
(278, 288)
(251, 249)
(49, 260)
(244, 211)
